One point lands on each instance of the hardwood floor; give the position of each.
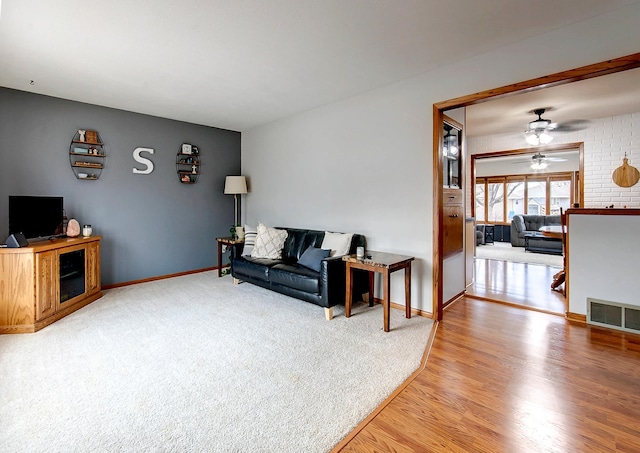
(528, 285)
(504, 379)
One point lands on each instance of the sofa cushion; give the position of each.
(312, 258)
(254, 267)
(551, 220)
(294, 245)
(269, 242)
(295, 276)
(338, 243)
(533, 222)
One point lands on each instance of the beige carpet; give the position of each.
(505, 252)
(195, 363)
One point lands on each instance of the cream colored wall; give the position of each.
(365, 164)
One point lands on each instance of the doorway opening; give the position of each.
(439, 109)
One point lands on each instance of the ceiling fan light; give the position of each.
(453, 150)
(539, 165)
(536, 138)
(545, 138)
(532, 139)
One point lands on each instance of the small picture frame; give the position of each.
(186, 148)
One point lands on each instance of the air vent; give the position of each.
(613, 315)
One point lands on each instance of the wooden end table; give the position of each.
(229, 241)
(384, 264)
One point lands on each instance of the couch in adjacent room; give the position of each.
(523, 224)
(305, 264)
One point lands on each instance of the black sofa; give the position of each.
(325, 288)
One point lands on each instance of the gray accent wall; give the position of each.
(151, 225)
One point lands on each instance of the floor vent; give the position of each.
(614, 315)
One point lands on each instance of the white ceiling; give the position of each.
(237, 64)
(599, 97)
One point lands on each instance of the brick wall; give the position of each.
(605, 142)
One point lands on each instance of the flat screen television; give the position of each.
(35, 217)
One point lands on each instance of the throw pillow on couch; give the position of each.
(338, 243)
(312, 258)
(250, 234)
(269, 243)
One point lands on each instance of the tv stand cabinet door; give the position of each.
(93, 267)
(46, 284)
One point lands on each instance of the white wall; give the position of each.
(365, 164)
(605, 143)
(612, 242)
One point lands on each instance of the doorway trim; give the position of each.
(560, 78)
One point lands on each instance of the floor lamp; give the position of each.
(235, 185)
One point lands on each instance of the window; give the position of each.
(480, 217)
(499, 198)
(495, 201)
(537, 197)
(560, 196)
(515, 199)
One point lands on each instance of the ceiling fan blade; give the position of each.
(571, 126)
(555, 159)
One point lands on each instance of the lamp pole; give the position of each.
(235, 199)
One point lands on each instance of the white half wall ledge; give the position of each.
(603, 258)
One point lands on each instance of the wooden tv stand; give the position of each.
(34, 294)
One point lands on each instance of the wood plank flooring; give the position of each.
(522, 284)
(505, 379)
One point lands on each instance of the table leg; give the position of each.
(371, 283)
(219, 259)
(387, 298)
(349, 291)
(407, 290)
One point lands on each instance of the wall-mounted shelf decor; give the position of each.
(87, 155)
(188, 163)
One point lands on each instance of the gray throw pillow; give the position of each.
(312, 258)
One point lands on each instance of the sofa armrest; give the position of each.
(333, 274)
(517, 223)
(517, 231)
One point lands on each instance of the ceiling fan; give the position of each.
(538, 131)
(540, 161)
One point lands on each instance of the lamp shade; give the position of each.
(235, 185)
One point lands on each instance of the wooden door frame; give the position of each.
(559, 78)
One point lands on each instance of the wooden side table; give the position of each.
(384, 264)
(228, 241)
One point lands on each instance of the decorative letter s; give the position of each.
(143, 160)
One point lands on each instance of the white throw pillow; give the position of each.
(339, 243)
(250, 234)
(269, 243)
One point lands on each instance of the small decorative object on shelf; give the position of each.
(86, 231)
(92, 137)
(86, 152)
(73, 228)
(188, 163)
